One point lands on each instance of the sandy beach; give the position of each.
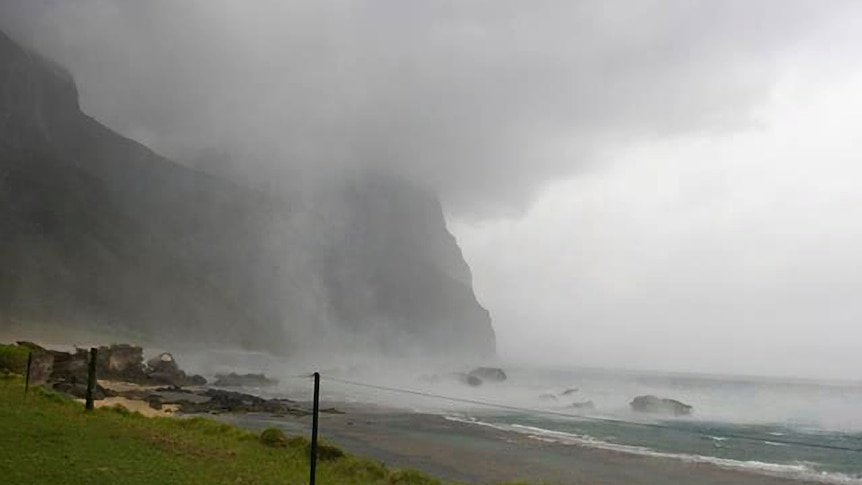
(474, 454)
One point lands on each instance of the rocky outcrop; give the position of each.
(584, 406)
(235, 402)
(243, 380)
(657, 405)
(95, 227)
(468, 379)
(488, 374)
(121, 362)
(67, 371)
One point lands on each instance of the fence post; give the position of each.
(91, 379)
(313, 470)
(27, 376)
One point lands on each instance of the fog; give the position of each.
(659, 184)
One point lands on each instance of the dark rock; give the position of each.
(243, 380)
(197, 380)
(121, 362)
(155, 402)
(165, 362)
(584, 406)
(657, 405)
(571, 390)
(236, 402)
(164, 370)
(69, 367)
(41, 367)
(79, 390)
(489, 374)
(174, 389)
(469, 379)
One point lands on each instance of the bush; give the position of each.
(327, 452)
(52, 396)
(13, 358)
(411, 477)
(362, 470)
(273, 437)
(299, 442)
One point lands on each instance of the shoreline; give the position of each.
(470, 453)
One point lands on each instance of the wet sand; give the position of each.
(475, 454)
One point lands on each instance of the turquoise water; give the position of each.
(803, 429)
(788, 427)
(834, 457)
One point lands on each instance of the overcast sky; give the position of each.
(649, 184)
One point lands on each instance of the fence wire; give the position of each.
(548, 412)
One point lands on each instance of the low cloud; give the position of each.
(484, 101)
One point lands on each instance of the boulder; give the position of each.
(41, 367)
(489, 374)
(243, 380)
(584, 406)
(69, 367)
(79, 390)
(121, 362)
(164, 370)
(658, 405)
(235, 402)
(197, 380)
(469, 379)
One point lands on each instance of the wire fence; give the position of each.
(581, 417)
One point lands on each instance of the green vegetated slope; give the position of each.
(46, 438)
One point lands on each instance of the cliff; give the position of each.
(97, 228)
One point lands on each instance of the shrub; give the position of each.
(52, 396)
(327, 452)
(273, 437)
(362, 470)
(299, 442)
(13, 358)
(411, 477)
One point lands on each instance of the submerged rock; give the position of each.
(490, 374)
(469, 379)
(568, 391)
(658, 405)
(584, 406)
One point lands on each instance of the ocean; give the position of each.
(793, 428)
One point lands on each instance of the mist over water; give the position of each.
(802, 429)
(661, 186)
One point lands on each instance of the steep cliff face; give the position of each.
(97, 228)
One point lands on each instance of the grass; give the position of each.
(48, 438)
(13, 358)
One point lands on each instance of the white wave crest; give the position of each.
(801, 471)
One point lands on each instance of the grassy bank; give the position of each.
(49, 439)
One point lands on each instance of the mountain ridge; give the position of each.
(97, 226)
